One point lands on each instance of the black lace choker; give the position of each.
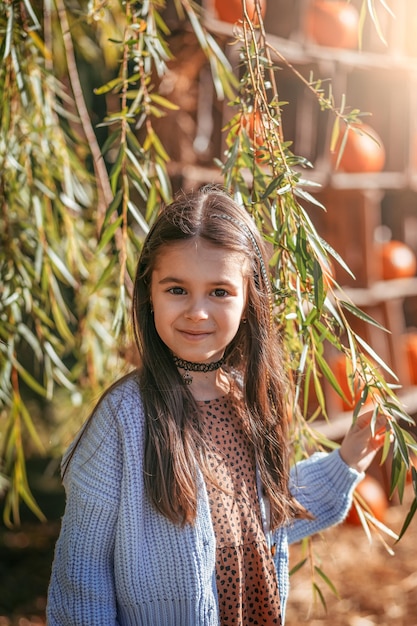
(189, 366)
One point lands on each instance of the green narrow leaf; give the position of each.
(319, 393)
(30, 501)
(302, 193)
(152, 203)
(162, 24)
(33, 17)
(133, 142)
(49, 349)
(318, 591)
(410, 515)
(374, 355)
(342, 145)
(28, 378)
(386, 447)
(397, 473)
(64, 272)
(167, 104)
(319, 293)
(137, 167)
(109, 233)
(361, 25)
(361, 315)
(137, 242)
(297, 567)
(328, 373)
(336, 256)
(335, 134)
(31, 340)
(342, 104)
(9, 33)
(110, 141)
(112, 208)
(225, 81)
(33, 433)
(7, 510)
(42, 316)
(106, 273)
(138, 183)
(112, 84)
(275, 182)
(60, 322)
(160, 148)
(164, 181)
(158, 113)
(399, 412)
(115, 170)
(352, 345)
(387, 8)
(138, 217)
(400, 441)
(199, 32)
(375, 19)
(326, 580)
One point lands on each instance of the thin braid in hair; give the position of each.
(265, 277)
(264, 271)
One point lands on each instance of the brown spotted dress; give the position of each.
(246, 577)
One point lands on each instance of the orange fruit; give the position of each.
(231, 11)
(372, 492)
(398, 260)
(333, 24)
(362, 152)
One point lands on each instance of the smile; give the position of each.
(195, 333)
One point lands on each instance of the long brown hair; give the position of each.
(173, 446)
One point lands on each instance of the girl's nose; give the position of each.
(196, 310)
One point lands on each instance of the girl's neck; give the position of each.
(209, 385)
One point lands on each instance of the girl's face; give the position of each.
(198, 294)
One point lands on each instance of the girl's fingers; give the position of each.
(364, 421)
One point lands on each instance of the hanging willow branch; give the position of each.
(311, 311)
(68, 240)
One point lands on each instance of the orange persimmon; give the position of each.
(252, 122)
(341, 369)
(362, 152)
(332, 23)
(372, 492)
(231, 11)
(398, 260)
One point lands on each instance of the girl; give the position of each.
(180, 500)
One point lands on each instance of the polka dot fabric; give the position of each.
(246, 577)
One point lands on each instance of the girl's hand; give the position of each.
(360, 446)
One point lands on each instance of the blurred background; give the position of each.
(371, 220)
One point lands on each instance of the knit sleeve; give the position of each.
(81, 589)
(323, 484)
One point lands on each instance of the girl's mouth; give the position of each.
(195, 334)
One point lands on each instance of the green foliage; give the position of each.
(70, 236)
(269, 179)
(45, 195)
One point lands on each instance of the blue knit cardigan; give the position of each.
(120, 562)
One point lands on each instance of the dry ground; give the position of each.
(374, 587)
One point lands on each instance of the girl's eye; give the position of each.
(176, 291)
(220, 293)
